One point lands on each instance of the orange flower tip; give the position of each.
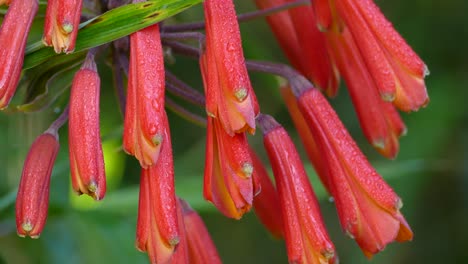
(241, 94)
(247, 169)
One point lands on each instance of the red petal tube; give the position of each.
(157, 227)
(307, 240)
(144, 114)
(201, 248)
(13, 35)
(85, 148)
(266, 203)
(32, 201)
(228, 180)
(229, 94)
(368, 208)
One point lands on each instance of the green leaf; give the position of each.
(45, 84)
(112, 25)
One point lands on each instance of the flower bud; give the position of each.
(307, 240)
(32, 201)
(13, 35)
(85, 147)
(228, 182)
(229, 94)
(368, 208)
(144, 114)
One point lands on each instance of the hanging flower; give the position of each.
(13, 35)
(307, 240)
(396, 69)
(144, 114)
(303, 43)
(368, 208)
(85, 147)
(158, 231)
(228, 182)
(229, 94)
(32, 201)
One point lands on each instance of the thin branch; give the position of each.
(184, 113)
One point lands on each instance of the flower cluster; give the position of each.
(323, 40)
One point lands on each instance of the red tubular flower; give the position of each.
(61, 24)
(368, 208)
(312, 148)
(379, 120)
(157, 227)
(32, 201)
(266, 203)
(229, 94)
(306, 237)
(13, 35)
(85, 148)
(201, 248)
(305, 46)
(397, 70)
(228, 182)
(144, 114)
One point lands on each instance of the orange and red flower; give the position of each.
(32, 201)
(13, 35)
(368, 208)
(228, 182)
(85, 147)
(61, 24)
(307, 240)
(397, 71)
(229, 94)
(158, 231)
(303, 43)
(144, 114)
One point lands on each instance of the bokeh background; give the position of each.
(430, 173)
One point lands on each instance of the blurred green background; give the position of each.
(430, 173)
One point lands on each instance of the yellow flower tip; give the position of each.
(174, 241)
(27, 226)
(241, 94)
(388, 97)
(247, 169)
(399, 204)
(67, 28)
(157, 139)
(404, 132)
(92, 187)
(328, 254)
(379, 144)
